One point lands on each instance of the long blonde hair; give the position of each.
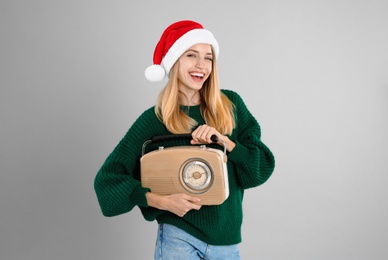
(216, 108)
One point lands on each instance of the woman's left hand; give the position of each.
(203, 134)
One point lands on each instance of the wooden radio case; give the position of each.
(195, 170)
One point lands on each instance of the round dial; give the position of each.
(197, 175)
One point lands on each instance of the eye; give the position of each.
(191, 55)
(209, 58)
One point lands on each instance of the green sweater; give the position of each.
(250, 164)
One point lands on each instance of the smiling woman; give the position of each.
(192, 103)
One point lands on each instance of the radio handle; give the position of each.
(159, 138)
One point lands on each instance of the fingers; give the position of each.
(180, 204)
(203, 134)
(194, 201)
(191, 202)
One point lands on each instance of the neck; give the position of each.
(190, 99)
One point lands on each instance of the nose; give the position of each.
(200, 63)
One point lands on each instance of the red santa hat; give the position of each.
(175, 40)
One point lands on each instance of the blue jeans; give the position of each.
(175, 244)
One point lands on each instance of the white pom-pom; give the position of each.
(155, 73)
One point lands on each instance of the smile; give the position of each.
(197, 75)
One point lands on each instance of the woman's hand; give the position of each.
(179, 204)
(203, 134)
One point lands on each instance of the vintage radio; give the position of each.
(196, 170)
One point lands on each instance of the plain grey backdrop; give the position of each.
(314, 74)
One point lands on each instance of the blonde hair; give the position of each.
(216, 108)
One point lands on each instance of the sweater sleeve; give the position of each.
(253, 160)
(117, 183)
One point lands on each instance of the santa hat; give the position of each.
(175, 40)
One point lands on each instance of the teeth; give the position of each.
(197, 74)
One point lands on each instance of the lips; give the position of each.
(197, 76)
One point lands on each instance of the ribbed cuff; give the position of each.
(239, 153)
(139, 196)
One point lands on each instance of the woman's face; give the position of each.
(195, 66)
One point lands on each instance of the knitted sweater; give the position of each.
(249, 164)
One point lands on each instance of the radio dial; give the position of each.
(197, 175)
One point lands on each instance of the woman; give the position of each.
(191, 102)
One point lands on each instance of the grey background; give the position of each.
(314, 73)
